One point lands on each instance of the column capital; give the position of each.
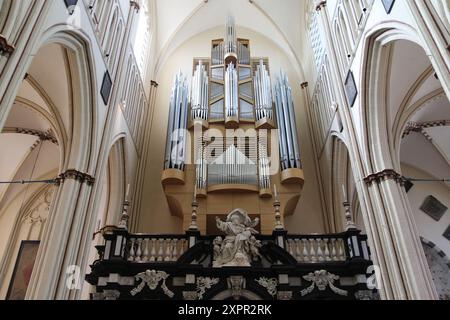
(304, 85)
(136, 5)
(154, 84)
(388, 174)
(76, 175)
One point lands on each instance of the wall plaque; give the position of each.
(434, 208)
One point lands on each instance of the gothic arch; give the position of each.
(71, 213)
(375, 74)
(382, 105)
(84, 100)
(342, 180)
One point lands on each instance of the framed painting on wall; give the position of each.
(22, 270)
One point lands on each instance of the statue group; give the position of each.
(239, 247)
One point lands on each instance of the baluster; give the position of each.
(161, 250)
(290, 244)
(305, 250)
(132, 252)
(145, 255)
(153, 251)
(312, 251)
(139, 250)
(183, 243)
(175, 251)
(327, 249)
(333, 250)
(168, 256)
(341, 250)
(298, 250)
(319, 250)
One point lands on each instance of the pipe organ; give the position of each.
(200, 94)
(263, 94)
(243, 135)
(290, 154)
(176, 130)
(231, 96)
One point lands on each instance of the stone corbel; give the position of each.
(6, 48)
(76, 175)
(320, 5)
(384, 175)
(135, 4)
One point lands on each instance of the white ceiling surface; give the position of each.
(179, 20)
(409, 62)
(50, 70)
(24, 159)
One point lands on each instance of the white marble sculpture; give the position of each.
(239, 247)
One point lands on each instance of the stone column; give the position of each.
(140, 172)
(392, 235)
(66, 229)
(400, 247)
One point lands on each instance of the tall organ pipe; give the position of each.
(289, 149)
(176, 129)
(263, 94)
(200, 93)
(231, 91)
(231, 39)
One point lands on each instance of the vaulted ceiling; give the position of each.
(416, 93)
(176, 21)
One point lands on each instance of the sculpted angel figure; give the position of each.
(236, 247)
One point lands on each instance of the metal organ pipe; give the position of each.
(289, 149)
(200, 93)
(231, 36)
(264, 174)
(231, 91)
(263, 94)
(281, 130)
(178, 116)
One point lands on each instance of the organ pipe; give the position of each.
(263, 93)
(200, 94)
(289, 148)
(243, 54)
(176, 130)
(231, 92)
(201, 168)
(263, 159)
(217, 54)
(231, 39)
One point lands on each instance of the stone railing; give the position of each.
(328, 248)
(313, 249)
(305, 249)
(147, 248)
